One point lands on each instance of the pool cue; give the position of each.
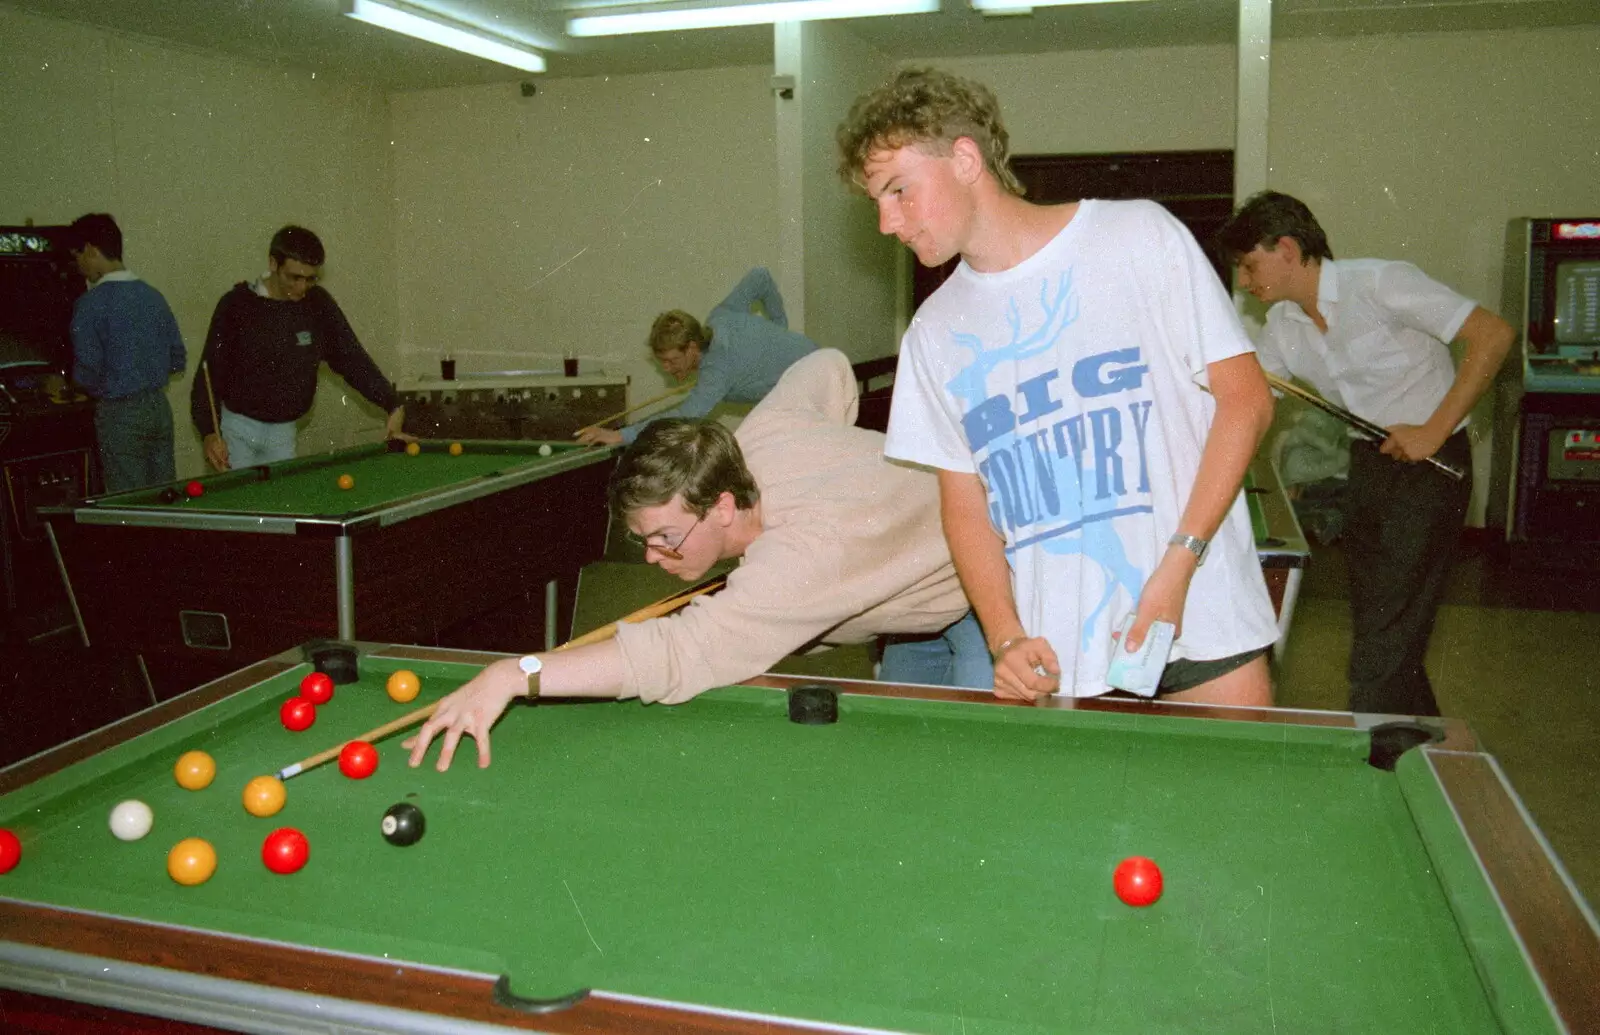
(664, 606)
(1373, 431)
(211, 396)
(635, 409)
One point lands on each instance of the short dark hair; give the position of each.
(100, 230)
(697, 459)
(1267, 216)
(297, 243)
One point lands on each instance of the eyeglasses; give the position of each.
(658, 544)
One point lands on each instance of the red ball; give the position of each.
(285, 850)
(317, 688)
(358, 760)
(1137, 881)
(297, 714)
(10, 851)
(194, 489)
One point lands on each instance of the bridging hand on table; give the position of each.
(395, 426)
(599, 437)
(471, 710)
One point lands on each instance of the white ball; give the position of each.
(131, 820)
(545, 450)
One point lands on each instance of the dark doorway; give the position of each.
(1195, 186)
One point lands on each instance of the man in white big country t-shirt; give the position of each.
(1089, 399)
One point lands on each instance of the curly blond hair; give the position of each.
(930, 108)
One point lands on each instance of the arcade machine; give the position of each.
(52, 687)
(1553, 288)
(47, 449)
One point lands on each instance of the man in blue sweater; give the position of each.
(266, 341)
(738, 355)
(125, 346)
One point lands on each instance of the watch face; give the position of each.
(530, 664)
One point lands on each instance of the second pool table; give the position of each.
(934, 862)
(472, 550)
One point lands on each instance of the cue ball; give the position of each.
(285, 850)
(317, 687)
(10, 851)
(195, 770)
(403, 686)
(346, 482)
(403, 824)
(413, 449)
(358, 760)
(194, 489)
(297, 714)
(264, 796)
(1137, 881)
(455, 449)
(545, 450)
(192, 861)
(131, 820)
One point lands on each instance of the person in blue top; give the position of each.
(738, 355)
(125, 346)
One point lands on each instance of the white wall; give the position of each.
(850, 304)
(527, 227)
(201, 158)
(1102, 101)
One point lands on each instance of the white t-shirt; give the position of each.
(1071, 384)
(1384, 356)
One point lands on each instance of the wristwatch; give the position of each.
(1194, 544)
(531, 666)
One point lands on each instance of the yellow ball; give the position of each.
(346, 482)
(264, 796)
(195, 770)
(455, 449)
(404, 686)
(192, 861)
(412, 449)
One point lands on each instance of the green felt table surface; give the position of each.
(918, 866)
(310, 484)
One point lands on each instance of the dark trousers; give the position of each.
(1403, 526)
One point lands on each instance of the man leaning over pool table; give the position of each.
(836, 545)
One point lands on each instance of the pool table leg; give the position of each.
(344, 578)
(1291, 593)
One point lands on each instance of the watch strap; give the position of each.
(1194, 544)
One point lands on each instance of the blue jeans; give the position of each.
(135, 434)
(253, 442)
(958, 656)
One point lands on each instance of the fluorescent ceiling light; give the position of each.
(436, 29)
(1023, 6)
(702, 16)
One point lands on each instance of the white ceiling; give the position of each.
(313, 35)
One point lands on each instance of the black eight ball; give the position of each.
(403, 824)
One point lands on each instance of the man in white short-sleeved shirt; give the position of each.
(1371, 335)
(1055, 383)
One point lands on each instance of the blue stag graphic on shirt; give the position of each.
(1058, 476)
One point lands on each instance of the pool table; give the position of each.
(1281, 544)
(935, 861)
(477, 550)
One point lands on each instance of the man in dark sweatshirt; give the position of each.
(261, 356)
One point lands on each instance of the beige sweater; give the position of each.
(850, 547)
